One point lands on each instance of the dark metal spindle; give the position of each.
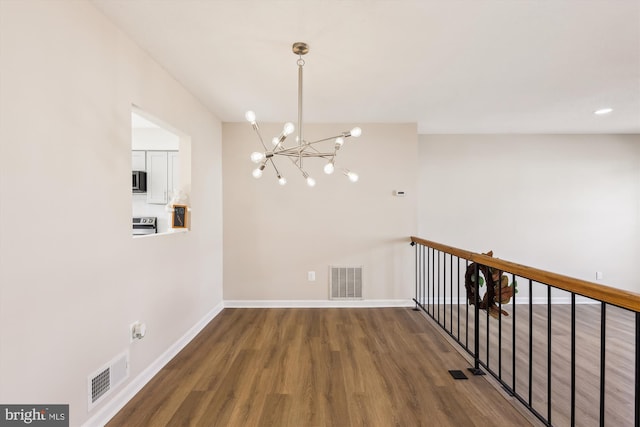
(513, 337)
(433, 281)
(466, 307)
(451, 293)
(603, 337)
(489, 281)
(573, 359)
(549, 354)
(458, 264)
(418, 276)
(530, 339)
(444, 291)
(476, 345)
(500, 327)
(637, 392)
(438, 284)
(421, 290)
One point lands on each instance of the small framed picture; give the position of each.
(179, 217)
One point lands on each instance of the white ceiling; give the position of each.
(452, 66)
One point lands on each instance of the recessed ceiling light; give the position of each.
(603, 111)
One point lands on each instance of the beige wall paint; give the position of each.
(274, 235)
(72, 278)
(563, 203)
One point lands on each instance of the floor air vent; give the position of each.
(108, 377)
(345, 282)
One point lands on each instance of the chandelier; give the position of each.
(303, 148)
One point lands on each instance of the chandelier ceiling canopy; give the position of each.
(302, 149)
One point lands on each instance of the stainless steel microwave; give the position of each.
(139, 181)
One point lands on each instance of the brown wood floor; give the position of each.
(318, 367)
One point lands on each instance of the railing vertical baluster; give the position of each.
(476, 329)
(427, 281)
(487, 317)
(549, 354)
(438, 284)
(637, 391)
(458, 265)
(417, 269)
(603, 337)
(451, 293)
(500, 327)
(466, 308)
(444, 291)
(530, 339)
(573, 359)
(513, 337)
(433, 281)
(422, 276)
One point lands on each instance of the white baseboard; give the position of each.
(370, 303)
(120, 399)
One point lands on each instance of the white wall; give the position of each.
(274, 235)
(569, 204)
(71, 277)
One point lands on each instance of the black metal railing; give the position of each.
(567, 349)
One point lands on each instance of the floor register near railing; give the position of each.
(566, 349)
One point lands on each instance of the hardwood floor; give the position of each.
(318, 367)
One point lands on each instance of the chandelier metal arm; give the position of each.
(274, 166)
(257, 129)
(342, 135)
(303, 154)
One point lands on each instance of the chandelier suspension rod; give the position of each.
(300, 140)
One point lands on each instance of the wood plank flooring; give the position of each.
(318, 367)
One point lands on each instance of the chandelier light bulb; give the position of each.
(353, 177)
(256, 157)
(282, 180)
(339, 142)
(289, 128)
(311, 182)
(257, 173)
(329, 168)
(250, 116)
(275, 141)
(356, 132)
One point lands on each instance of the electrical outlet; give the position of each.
(137, 331)
(311, 276)
(598, 275)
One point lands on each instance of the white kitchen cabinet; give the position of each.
(163, 175)
(138, 161)
(173, 171)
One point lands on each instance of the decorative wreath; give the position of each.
(498, 288)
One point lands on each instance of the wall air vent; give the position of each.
(345, 282)
(108, 377)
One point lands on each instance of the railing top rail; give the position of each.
(608, 294)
